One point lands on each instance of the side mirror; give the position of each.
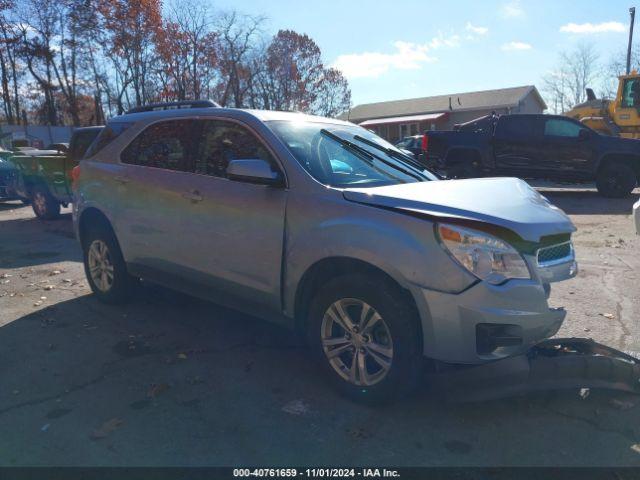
(584, 134)
(253, 171)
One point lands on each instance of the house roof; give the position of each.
(403, 119)
(503, 97)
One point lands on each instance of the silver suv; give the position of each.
(322, 226)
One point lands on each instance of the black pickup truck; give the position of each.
(535, 146)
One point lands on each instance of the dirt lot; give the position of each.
(170, 380)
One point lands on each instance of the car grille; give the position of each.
(5, 177)
(7, 182)
(555, 253)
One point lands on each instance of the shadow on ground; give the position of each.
(170, 380)
(590, 202)
(21, 241)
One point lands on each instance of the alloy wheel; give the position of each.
(100, 265)
(357, 342)
(40, 203)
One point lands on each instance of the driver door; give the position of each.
(234, 230)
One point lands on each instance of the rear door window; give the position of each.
(222, 141)
(167, 145)
(516, 126)
(556, 127)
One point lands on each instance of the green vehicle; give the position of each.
(44, 176)
(8, 177)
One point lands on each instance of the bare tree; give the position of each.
(38, 30)
(617, 66)
(577, 70)
(9, 52)
(236, 39)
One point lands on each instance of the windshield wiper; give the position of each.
(362, 152)
(391, 152)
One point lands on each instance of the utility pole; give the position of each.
(632, 12)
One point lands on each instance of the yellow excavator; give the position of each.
(620, 116)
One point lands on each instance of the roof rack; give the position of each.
(153, 107)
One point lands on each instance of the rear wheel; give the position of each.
(616, 180)
(105, 267)
(366, 337)
(44, 205)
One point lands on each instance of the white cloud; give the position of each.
(514, 46)
(589, 28)
(477, 30)
(512, 9)
(407, 56)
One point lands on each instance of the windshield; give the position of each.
(344, 156)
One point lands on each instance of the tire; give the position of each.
(397, 334)
(616, 180)
(44, 205)
(101, 251)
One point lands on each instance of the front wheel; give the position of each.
(366, 337)
(616, 180)
(44, 205)
(105, 267)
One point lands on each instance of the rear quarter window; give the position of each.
(106, 136)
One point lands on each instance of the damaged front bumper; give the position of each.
(487, 322)
(554, 364)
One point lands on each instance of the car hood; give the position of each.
(506, 202)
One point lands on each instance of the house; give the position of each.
(396, 119)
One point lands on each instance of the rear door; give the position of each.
(152, 178)
(516, 146)
(565, 153)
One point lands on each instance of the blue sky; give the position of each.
(402, 49)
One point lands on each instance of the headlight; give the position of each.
(484, 255)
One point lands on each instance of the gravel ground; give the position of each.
(170, 380)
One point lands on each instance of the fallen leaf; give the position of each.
(67, 280)
(45, 427)
(621, 404)
(182, 356)
(43, 298)
(584, 393)
(156, 389)
(49, 287)
(607, 315)
(636, 447)
(296, 407)
(55, 272)
(106, 428)
(37, 304)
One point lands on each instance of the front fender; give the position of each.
(402, 246)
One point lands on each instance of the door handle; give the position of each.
(194, 196)
(122, 180)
